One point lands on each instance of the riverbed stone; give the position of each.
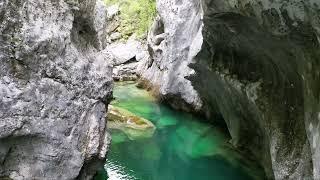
(135, 127)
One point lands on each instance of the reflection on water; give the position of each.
(182, 148)
(117, 172)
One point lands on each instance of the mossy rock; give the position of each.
(133, 126)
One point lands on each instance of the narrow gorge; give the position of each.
(159, 89)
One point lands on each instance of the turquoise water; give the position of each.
(182, 148)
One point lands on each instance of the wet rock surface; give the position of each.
(54, 88)
(135, 127)
(258, 69)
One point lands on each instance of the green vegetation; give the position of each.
(136, 16)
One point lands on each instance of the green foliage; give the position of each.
(111, 2)
(136, 16)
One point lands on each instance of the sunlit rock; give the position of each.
(133, 126)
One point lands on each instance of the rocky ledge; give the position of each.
(54, 89)
(127, 58)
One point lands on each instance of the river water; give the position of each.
(181, 148)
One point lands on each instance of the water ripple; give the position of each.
(118, 172)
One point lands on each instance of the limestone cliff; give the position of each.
(258, 69)
(54, 88)
(174, 39)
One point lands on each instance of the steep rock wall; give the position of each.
(258, 68)
(54, 88)
(175, 38)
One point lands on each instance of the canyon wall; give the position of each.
(175, 38)
(256, 64)
(54, 88)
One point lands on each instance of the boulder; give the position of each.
(133, 126)
(127, 57)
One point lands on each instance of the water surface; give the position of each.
(182, 147)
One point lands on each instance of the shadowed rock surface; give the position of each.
(54, 88)
(258, 68)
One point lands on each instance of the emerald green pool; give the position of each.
(182, 147)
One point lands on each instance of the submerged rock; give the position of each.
(133, 126)
(54, 88)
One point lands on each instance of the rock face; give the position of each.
(258, 69)
(127, 58)
(54, 88)
(113, 23)
(174, 40)
(126, 54)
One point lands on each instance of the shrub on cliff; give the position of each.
(136, 16)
